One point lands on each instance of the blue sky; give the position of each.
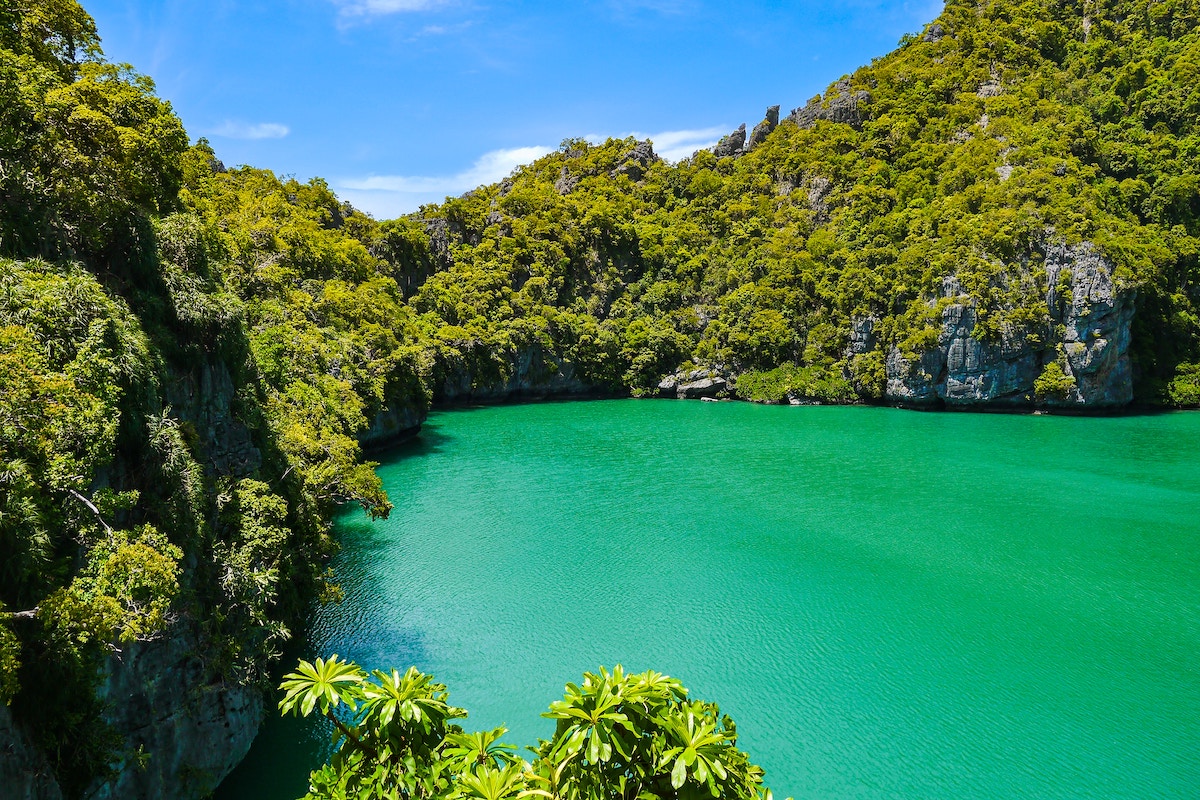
(402, 102)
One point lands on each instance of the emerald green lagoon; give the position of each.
(890, 604)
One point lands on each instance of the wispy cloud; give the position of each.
(392, 195)
(388, 196)
(673, 145)
(371, 8)
(247, 130)
(672, 7)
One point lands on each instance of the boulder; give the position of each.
(841, 104)
(705, 387)
(763, 129)
(732, 144)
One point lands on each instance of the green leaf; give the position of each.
(679, 773)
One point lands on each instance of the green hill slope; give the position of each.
(1003, 212)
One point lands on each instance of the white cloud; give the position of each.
(371, 8)
(245, 130)
(393, 195)
(673, 145)
(389, 196)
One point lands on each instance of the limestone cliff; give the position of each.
(528, 374)
(24, 772)
(1090, 318)
(165, 703)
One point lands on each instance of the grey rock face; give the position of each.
(24, 773)
(964, 371)
(840, 104)
(703, 388)
(1098, 319)
(637, 161)
(205, 397)
(195, 732)
(566, 182)
(531, 375)
(394, 424)
(819, 189)
(443, 234)
(731, 145)
(763, 129)
(862, 336)
(695, 384)
(934, 33)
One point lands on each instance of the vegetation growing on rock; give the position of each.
(1004, 210)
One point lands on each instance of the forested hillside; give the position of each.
(1003, 212)
(1011, 170)
(190, 357)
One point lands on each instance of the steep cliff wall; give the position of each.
(1087, 335)
(24, 772)
(528, 374)
(182, 726)
(192, 728)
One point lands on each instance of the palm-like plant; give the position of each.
(496, 783)
(618, 737)
(483, 749)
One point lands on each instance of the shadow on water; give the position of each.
(304, 742)
(430, 440)
(287, 748)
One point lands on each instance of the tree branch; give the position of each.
(30, 614)
(349, 734)
(91, 507)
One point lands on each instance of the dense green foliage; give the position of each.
(189, 355)
(185, 360)
(1008, 127)
(617, 737)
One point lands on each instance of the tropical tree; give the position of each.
(618, 737)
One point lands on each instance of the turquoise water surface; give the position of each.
(890, 604)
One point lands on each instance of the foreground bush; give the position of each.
(618, 736)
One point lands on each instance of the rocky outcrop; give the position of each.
(732, 144)
(841, 103)
(1091, 315)
(204, 397)
(763, 129)
(24, 773)
(934, 33)
(1097, 317)
(637, 161)
(566, 182)
(863, 336)
(530, 374)
(194, 732)
(395, 423)
(737, 143)
(819, 190)
(695, 384)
